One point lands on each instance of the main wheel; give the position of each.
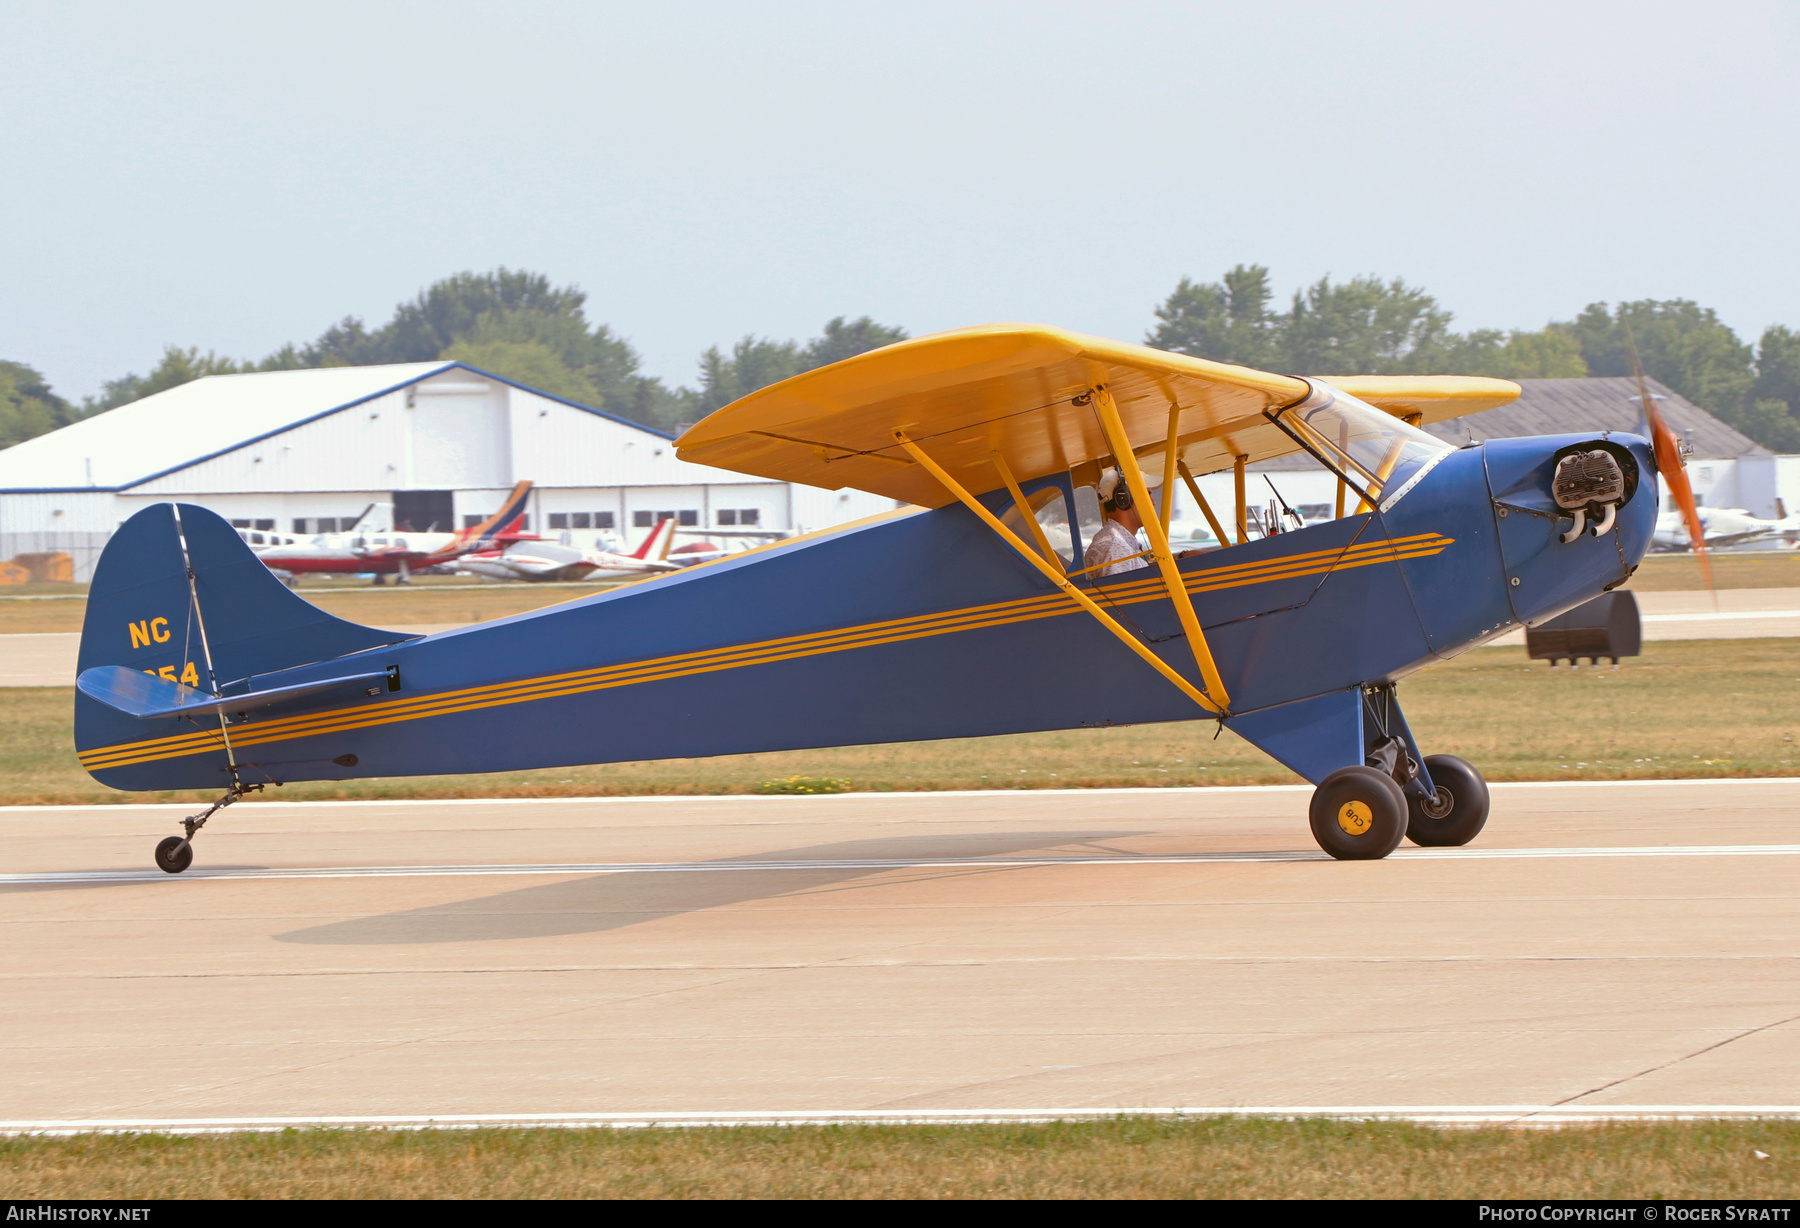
(1358, 814)
(174, 855)
(1458, 812)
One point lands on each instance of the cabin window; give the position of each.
(1088, 517)
(256, 539)
(1377, 454)
(400, 543)
(1052, 514)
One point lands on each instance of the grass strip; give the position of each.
(1124, 1157)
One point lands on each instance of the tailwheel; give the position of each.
(1358, 814)
(1457, 813)
(174, 854)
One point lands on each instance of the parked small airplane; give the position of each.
(969, 610)
(397, 553)
(694, 553)
(1727, 528)
(537, 559)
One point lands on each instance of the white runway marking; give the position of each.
(1719, 616)
(877, 864)
(1538, 1115)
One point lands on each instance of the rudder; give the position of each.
(141, 614)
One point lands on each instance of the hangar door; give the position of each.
(424, 511)
(458, 437)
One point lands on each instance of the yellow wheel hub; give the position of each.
(1355, 817)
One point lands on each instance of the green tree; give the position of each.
(1225, 321)
(511, 318)
(1546, 354)
(1682, 344)
(1772, 417)
(178, 366)
(527, 362)
(1363, 326)
(442, 314)
(757, 362)
(842, 340)
(27, 406)
(754, 362)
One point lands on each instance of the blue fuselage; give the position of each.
(922, 625)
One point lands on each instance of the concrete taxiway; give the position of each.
(1602, 949)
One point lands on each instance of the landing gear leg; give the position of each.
(1446, 798)
(176, 853)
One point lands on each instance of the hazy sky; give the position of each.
(237, 176)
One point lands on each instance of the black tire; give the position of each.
(1358, 814)
(1460, 810)
(174, 855)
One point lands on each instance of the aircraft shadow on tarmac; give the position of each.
(599, 902)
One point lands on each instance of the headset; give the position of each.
(1118, 499)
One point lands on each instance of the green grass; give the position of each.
(1662, 573)
(1124, 1157)
(1685, 708)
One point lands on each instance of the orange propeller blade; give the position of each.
(1668, 460)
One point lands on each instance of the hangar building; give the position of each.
(303, 452)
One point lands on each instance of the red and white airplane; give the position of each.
(537, 559)
(398, 553)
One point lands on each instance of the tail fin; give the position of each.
(643, 550)
(513, 509)
(234, 621)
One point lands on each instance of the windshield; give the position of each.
(1377, 453)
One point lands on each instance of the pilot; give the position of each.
(1116, 541)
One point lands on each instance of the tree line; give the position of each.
(518, 325)
(1367, 326)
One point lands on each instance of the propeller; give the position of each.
(1668, 460)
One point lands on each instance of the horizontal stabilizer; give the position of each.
(147, 696)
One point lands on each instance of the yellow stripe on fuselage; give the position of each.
(764, 652)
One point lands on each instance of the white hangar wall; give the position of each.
(284, 450)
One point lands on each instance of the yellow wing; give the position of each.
(1019, 390)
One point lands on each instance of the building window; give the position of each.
(581, 520)
(603, 520)
(641, 520)
(264, 524)
(749, 515)
(559, 520)
(688, 518)
(240, 524)
(727, 515)
(471, 519)
(299, 524)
